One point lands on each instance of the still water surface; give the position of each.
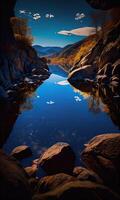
(56, 112)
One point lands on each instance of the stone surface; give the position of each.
(13, 180)
(58, 158)
(21, 152)
(84, 190)
(102, 155)
(31, 170)
(84, 174)
(49, 183)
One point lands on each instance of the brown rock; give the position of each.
(21, 152)
(58, 158)
(49, 183)
(13, 180)
(79, 190)
(87, 175)
(32, 170)
(102, 155)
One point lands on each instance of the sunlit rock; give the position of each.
(21, 152)
(31, 170)
(58, 158)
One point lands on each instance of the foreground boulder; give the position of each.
(102, 154)
(31, 170)
(13, 180)
(21, 152)
(84, 190)
(49, 183)
(58, 158)
(84, 174)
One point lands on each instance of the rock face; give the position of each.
(17, 59)
(102, 155)
(13, 180)
(58, 158)
(102, 60)
(21, 152)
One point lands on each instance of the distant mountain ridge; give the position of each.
(47, 51)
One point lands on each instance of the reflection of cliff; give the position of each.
(112, 100)
(8, 115)
(106, 99)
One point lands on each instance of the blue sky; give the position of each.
(47, 18)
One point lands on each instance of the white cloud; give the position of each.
(79, 16)
(63, 83)
(22, 11)
(84, 31)
(36, 16)
(49, 16)
(50, 102)
(77, 98)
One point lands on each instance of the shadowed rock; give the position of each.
(102, 154)
(49, 183)
(84, 190)
(84, 174)
(13, 180)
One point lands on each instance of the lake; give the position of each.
(56, 112)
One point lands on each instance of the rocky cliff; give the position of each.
(18, 61)
(102, 62)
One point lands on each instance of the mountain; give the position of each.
(71, 54)
(46, 51)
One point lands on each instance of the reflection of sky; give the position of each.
(67, 119)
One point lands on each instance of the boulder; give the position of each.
(49, 183)
(84, 190)
(32, 170)
(58, 158)
(85, 72)
(13, 180)
(102, 155)
(84, 174)
(21, 152)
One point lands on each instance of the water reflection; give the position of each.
(55, 112)
(10, 110)
(102, 98)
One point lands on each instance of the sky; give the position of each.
(56, 22)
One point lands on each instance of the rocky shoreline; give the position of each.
(21, 71)
(98, 178)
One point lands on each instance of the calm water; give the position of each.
(55, 112)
